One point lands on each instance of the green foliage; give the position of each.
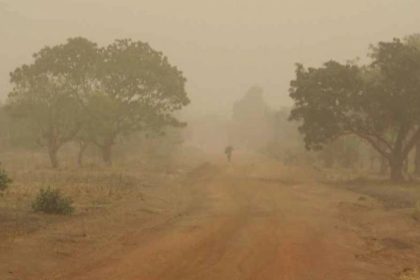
(345, 152)
(378, 102)
(97, 95)
(46, 93)
(16, 133)
(4, 180)
(136, 90)
(51, 201)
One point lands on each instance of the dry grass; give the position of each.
(410, 275)
(110, 204)
(393, 196)
(94, 188)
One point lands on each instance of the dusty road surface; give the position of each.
(253, 220)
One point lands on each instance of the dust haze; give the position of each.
(235, 139)
(224, 47)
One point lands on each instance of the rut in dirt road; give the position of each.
(244, 225)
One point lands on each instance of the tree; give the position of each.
(343, 151)
(252, 120)
(45, 92)
(378, 102)
(414, 40)
(285, 142)
(136, 89)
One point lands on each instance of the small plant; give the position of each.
(4, 180)
(51, 201)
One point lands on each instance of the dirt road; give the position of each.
(259, 222)
(253, 219)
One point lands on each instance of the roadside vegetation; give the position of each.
(51, 201)
(80, 93)
(5, 181)
(87, 128)
(81, 127)
(377, 102)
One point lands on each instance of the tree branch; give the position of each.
(374, 144)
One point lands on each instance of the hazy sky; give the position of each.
(223, 46)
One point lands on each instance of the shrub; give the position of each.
(4, 180)
(51, 201)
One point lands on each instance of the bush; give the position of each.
(4, 180)
(51, 201)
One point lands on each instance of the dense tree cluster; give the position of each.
(378, 102)
(78, 91)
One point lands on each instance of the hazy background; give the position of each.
(223, 46)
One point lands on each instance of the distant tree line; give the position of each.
(257, 127)
(80, 92)
(251, 120)
(351, 115)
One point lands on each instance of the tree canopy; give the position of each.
(378, 102)
(44, 92)
(78, 90)
(135, 89)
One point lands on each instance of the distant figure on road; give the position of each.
(228, 152)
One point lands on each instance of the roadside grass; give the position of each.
(91, 189)
(392, 196)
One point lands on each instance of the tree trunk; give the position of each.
(417, 160)
(107, 153)
(82, 149)
(52, 152)
(397, 166)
